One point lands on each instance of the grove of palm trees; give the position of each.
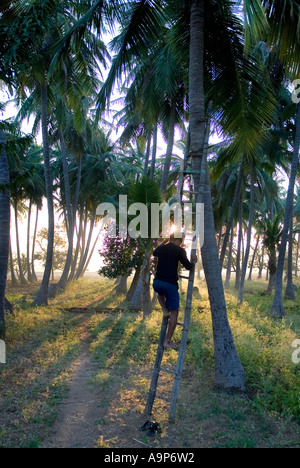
(121, 107)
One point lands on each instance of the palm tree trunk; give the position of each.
(75, 259)
(29, 275)
(146, 295)
(166, 171)
(277, 309)
(21, 274)
(154, 152)
(228, 274)
(253, 259)
(229, 372)
(232, 213)
(4, 230)
(146, 165)
(261, 263)
(134, 283)
(88, 245)
(14, 281)
(61, 285)
(249, 235)
(42, 295)
(297, 256)
(290, 287)
(33, 274)
(238, 257)
(272, 268)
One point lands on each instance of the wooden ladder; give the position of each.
(152, 395)
(198, 197)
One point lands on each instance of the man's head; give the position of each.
(177, 238)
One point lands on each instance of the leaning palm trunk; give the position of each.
(29, 275)
(42, 295)
(277, 309)
(4, 231)
(229, 372)
(61, 285)
(249, 232)
(87, 247)
(33, 274)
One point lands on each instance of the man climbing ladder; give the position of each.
(166, 281)
(166, 300)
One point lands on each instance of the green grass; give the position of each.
(43, 343)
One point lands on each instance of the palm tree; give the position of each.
(4, 229)
(283, 38)
(228, 369)
(271, 229)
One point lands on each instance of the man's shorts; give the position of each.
(170, 291)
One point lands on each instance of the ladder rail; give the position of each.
(198, 194)
(182, 349)
(157, 368)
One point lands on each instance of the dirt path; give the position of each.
(77, 424)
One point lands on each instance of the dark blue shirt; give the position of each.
(169, 257)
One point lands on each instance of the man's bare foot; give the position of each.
(170, 345)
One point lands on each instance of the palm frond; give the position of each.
(143, 25)
(284, 36)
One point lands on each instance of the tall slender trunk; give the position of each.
(4, 230)
(88, 245)
(14, 281)
(154, 152)
(290, 287)
(33, 274)
(232, 213)
(253, 259)
(42, 295)
(272, 268)
(261, 263)
(75, 259)
(134, 283)
(146, 165)
(21, 274)
(166, 171)
(297, 256)
(75, 208)
(146, 294)
(228, 274)
(29, 274)
(238, 257)
(277, 309)
(249, 235)
(229, 372)
(61, 285)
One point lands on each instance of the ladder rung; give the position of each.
(163, 398)
(168, 371)
(184, 277)
(191, 193)
(182, 325)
